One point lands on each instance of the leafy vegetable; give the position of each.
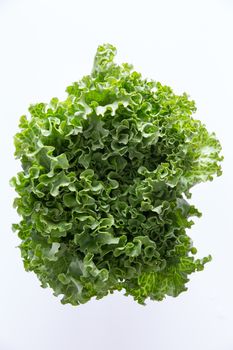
(105, 182)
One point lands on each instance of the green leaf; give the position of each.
(105, 182)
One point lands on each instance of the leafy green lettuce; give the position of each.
(104, 187)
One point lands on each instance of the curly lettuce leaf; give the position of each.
(104, 187)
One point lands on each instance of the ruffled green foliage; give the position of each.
(105, 182)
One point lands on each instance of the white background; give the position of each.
(44, 46)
